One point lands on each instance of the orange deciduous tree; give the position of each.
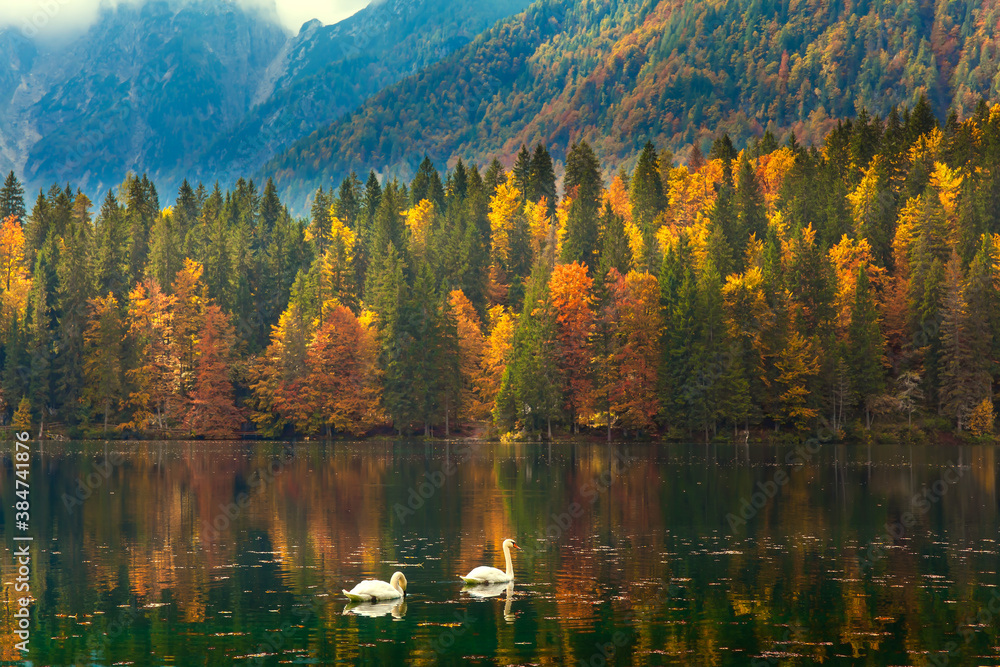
(152, 379)
(341, 390)
(637, 308)
(212, 411)
(570, 289)
(190, 296)
(471, 347)
(276, 376)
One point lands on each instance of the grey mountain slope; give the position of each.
(206, 89)
(325, 72)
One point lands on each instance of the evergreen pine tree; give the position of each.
(186, 214)
(957, 391)
(583, 183)
(647, 196)
(373, 196)
(522, 172)
(922, 119)
(615, 250)
(723, 149)
(750, 207)
(865, 347)
(427, 185)
(74, 290)
(270, 210)
(37, 228)
(648, 201)
(543, 179)
(12, 198)
(724, 220)
(165, 258)
(529, 393)
(494, 176)
(111, 249)
(319, 218)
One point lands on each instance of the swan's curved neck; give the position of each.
(510, 566)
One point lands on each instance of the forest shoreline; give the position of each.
(889, 433)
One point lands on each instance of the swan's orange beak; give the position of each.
(513, 544)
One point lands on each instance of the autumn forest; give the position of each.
(771, 289)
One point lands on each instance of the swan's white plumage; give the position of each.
(486, 575)
(491, 575)
(371, 590)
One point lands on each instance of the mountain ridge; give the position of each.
(205, 90)
(621, 72)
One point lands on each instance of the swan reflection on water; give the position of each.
(375, 609)
(492, 591)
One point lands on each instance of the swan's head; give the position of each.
(508, 543)
(398, 581)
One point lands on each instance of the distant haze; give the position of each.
(53, 19)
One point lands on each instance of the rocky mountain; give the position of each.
(326, 71)
(205, 88)
(143, 89)
(677, 72)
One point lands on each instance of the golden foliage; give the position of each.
(504, 206)
(337, 275)
(570, 291)
(496, 355)
(981, 421)
(640, 322)
(14, 280)
(692, 195)
(153, 381)
(540, 225)
(419, 220)
(471, 348)
(618, 196)
(747, 310)
(562, 217)
(948, 183)
(846, 257)
(864, 198)
(771, 171)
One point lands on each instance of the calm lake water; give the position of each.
(646, 554)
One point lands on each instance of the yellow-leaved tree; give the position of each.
(338, 278)
(496, 355)
(191, 297)
(543, 231)
(419, 222)
(471, 348)
(14, 281)
(504, 207)
(152, 382)
(847, 256)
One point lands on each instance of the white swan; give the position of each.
(371, 590)
(491, 575)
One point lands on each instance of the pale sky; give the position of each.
(51, 18)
